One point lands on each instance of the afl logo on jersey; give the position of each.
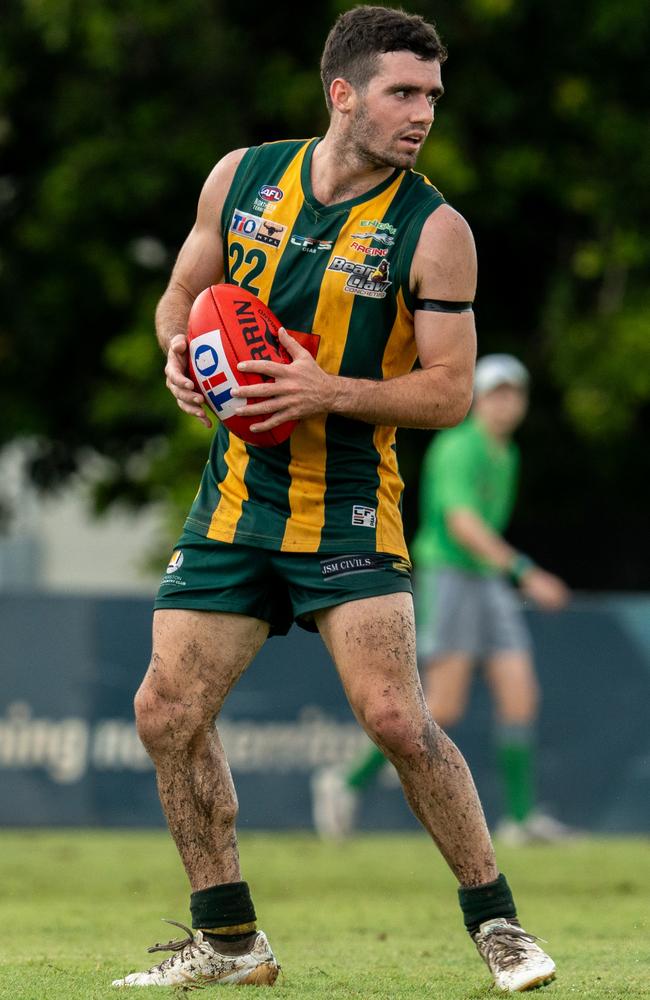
(270, 193)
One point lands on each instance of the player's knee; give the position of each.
(394, 730)
(164, 725)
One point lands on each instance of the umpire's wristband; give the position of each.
(521, 564)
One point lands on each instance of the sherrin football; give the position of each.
(228, 324)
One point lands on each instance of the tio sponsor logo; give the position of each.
(268, 192)
(213, 373)
(256, 228)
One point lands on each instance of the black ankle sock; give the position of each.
(486, 902)
(224, 912)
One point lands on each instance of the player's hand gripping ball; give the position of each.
(227, 324)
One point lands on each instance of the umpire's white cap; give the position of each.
(499, 369)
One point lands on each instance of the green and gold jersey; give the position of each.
(342, 272)
(463, 469)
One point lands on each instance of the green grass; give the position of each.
(373, 918)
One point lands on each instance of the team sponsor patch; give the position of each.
(271, 233)
(309, 244)
(346, 565)
(269, 192)
(363, 562)
(370, 280)
(381, 227)
(383, 238)
(256, 228)
(364, 517)
(175, 562)
(214, 374)
(369, 251)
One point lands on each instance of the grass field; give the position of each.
(373, 918)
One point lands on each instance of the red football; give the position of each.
(228, 324)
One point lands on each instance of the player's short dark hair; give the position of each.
(363, 33)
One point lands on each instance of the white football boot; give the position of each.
(512, 956)
(334, 804)
(195, 962)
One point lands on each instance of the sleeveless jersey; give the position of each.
(341, 272)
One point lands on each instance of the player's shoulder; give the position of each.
(445, 226)
(225, 168)
(220, 178)
(238, 162)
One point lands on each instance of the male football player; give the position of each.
(264, 537)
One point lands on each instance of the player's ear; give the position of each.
(342, 95)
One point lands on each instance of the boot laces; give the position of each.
(186, 948)
(506, 946)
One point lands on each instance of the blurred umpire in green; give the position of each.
(468, 610)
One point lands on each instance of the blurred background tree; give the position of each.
(112, 115)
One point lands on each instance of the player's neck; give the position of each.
(338, 174)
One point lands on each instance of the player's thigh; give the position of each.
(372, 643)
(447, 679)
(199, 655)
(513, 682)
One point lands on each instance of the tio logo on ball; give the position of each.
(213, 373)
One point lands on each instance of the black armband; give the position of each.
(443, 306)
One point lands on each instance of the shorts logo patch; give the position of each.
(346, 565)
(175, 562)
(364, 517)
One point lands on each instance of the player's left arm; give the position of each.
(437, 395)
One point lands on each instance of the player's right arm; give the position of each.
(199, 264)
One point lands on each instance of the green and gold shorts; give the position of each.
(277, 587)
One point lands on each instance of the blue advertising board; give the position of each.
(70, 755)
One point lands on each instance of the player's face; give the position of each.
(392, 117)
(502, 409)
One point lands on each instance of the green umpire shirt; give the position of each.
(463, 468)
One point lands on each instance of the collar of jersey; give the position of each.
(339, 206)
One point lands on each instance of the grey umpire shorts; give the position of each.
(462, 612)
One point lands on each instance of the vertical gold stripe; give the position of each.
(285, 213)
(234, 493)
(398, 359)
(307, 468)
(232, 488)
